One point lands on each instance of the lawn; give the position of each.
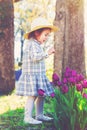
(12, 114)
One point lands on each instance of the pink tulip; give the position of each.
(65, 81)
(52, 95)
(41, 92)
(65, 89)
(84, 83)
(55, 77)
(74, 73)
(84, 95)
(79, 87)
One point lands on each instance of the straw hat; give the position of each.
(38, 23)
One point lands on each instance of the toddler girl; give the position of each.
(33, 82)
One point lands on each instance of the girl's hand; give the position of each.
(51, 51)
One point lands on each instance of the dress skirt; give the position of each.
(29, 84)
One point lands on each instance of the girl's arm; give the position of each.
(37, 53)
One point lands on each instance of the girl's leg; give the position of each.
(39, 104)
(29, 106)
(28, 111)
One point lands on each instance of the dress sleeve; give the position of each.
(37, 53)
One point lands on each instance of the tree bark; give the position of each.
(69, 40)
(60, 21)
(7, 78)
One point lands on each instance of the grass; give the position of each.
(12, 114)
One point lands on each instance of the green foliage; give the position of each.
(81, 111)
(63, 112)
(70, 101)
(70, 111)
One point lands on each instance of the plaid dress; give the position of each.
(33, 75)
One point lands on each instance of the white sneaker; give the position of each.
(44, 118)
(32, 121)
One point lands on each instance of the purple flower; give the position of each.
(55, 77)
(84, 83)
(74, 73)
(67, 72)
(72, 80)
(79, 87)
(84, 95)
(65, 80)
(59, 83)
(52, 95)
(65, 89)
(79, 78)
(41, 92)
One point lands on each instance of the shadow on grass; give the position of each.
(13, 120)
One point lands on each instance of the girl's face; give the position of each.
(42, 37)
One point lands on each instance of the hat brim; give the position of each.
(52, 27)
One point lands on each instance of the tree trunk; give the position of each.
(60, 21)
(7, 79)
(69, 40)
